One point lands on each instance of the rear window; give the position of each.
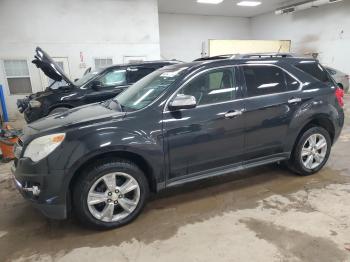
(314, 69)
(264, 80)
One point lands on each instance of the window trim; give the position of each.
(285, 71)
(233, 66)
(7, 77)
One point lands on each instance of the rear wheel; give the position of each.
(311, 151)
(110, 193)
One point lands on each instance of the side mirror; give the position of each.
(182, 102)
(96, 85)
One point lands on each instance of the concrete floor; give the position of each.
(263, 214)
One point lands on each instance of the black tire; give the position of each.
(90, 175)
(295, 162)
(58, 110)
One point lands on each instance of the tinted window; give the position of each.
(292, 84)
(213, 87)
(115, 77)
(263, 80)
(136, 73)
(315, 70)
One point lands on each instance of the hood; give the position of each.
(88, 115)
(50, 68)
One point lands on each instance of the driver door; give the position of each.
(111, 83)
(210, 136)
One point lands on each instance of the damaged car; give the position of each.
(94, 86)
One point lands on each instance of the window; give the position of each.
(263, 80)
(145, 91)
(315, 70)
(103, 62)
(116, 77)
(136, 73)
(17, 75)
(213, 87)
(292, 83)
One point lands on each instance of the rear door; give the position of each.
(272, 97)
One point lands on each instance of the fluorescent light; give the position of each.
(213, 2)
(249, 3)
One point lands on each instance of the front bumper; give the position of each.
(51, 200)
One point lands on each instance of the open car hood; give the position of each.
(49, 67)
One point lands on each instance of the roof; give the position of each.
(236, 61)
(154, 62)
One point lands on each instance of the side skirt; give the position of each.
(228, 169)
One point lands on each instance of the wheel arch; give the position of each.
(69, 106)
(321, 121)
(140, 161)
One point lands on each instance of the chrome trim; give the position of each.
(244, 98)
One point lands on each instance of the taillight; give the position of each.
(339, 94)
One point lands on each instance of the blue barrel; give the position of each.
(5, 116)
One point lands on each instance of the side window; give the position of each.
(136, 73)
(212, 87)
(264, 80)
(116, 77)
(314, 69)
(292, 84)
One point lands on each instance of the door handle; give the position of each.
(294, 100)
(235, 113)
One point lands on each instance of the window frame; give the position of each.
(234, 68)
(272, 94)
(7, 77)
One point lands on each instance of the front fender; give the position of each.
(94, 144)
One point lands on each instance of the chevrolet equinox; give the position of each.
(179, 124)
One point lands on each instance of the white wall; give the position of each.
(64, 28)
(325, 30)
(181, 36)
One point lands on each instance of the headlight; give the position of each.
(43, 146)
(34, 103)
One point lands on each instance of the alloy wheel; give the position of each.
(113, 197)
(314, 151)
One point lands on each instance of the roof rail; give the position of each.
(266, 55)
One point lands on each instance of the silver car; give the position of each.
(341, 78)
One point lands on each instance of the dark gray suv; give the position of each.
(179, 124)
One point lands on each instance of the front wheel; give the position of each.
(311, 151)
(110, 193)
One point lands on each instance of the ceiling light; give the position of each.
(213, 2)
(249, 3)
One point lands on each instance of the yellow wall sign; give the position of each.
(223, 47)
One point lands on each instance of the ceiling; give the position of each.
(226, 8)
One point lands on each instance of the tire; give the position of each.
(93, 215)
(58, 110)
(300, 164)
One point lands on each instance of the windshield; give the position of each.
(87, 77)
(148, 89)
